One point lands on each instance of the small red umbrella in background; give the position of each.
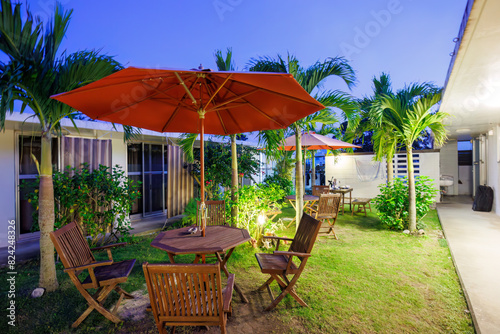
(220, 103)
(314, 141)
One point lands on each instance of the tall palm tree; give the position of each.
(409, 114)
(384, 143)
(187, 141)
(311, 79)
(36, 70)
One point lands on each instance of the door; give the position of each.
(153, 179)
(146, 164)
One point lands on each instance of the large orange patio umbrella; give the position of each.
(194, 101)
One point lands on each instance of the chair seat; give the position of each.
(117, 272)
(361, 201)
(326, 216)
(274, 264)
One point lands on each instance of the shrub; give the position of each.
(190, 213)
(99, 200)
(284, 183)
(392, 203)
(255, 201)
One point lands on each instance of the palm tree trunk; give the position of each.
(390, 169)
(313, 168)
(48, 278)
(234, 181)
(411, 190)
(299, 184)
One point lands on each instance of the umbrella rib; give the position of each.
(238, 97)
(218, 89)
(283, 95)
(260, 111)
(221, 122)
(188, 91)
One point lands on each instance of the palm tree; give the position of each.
(32, 74)
(409, 114)
(187, 141)
(311, 79)
(384, 143)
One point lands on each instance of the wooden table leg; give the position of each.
(350, 200)
(171, 258)
(343, 202)
(224, 269)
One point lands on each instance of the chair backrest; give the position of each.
(71, 246)
(306, 234)
(184, 292)
(216, 212)
(329, 204)
(318, 190)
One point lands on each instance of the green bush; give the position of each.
(255, 201)
(100, 200)
(284, 183)
(190, 213)
(392, 203)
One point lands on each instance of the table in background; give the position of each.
(218, 239)
(307, 198)
(343, 192)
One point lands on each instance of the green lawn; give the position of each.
(371, 280)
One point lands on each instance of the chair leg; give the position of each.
(288, 289)
(263, 286)
(123, 292)
(97, 305)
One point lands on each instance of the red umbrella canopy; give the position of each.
(174, 100)
(314, 141)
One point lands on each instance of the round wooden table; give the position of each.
(218, 239)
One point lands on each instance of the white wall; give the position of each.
(7, 184)
(492, 166)
(449, 164)
(343, 168)
(465, 176)
(118, 152)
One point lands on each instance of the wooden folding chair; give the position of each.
(216, 212)
(279, 264)
(328, 210)
(104, 276)
(188, 294)
(317, 191)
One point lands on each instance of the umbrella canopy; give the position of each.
(314, 141)
(220, 103)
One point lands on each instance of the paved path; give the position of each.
(474, 241)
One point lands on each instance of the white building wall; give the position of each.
(493, 166)
(343, 168)
(449, 164)
(7, 184)
(119, 153)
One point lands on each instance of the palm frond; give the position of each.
(224, 63)
(317, 73)
(186, 143)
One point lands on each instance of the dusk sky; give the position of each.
(411, 40)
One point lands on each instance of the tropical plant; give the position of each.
(311, 79)
(409, 114)
(279, 180)
(35, 70)
(253, 202)
(100, 200)
(392, 203)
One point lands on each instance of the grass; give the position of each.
(371, 280)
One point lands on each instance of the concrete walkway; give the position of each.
(474, 241)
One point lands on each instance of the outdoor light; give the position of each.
(261, 219)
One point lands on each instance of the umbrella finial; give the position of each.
(200, 67)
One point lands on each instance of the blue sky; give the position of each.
(411, 40)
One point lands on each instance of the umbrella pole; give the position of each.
(202, 178)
